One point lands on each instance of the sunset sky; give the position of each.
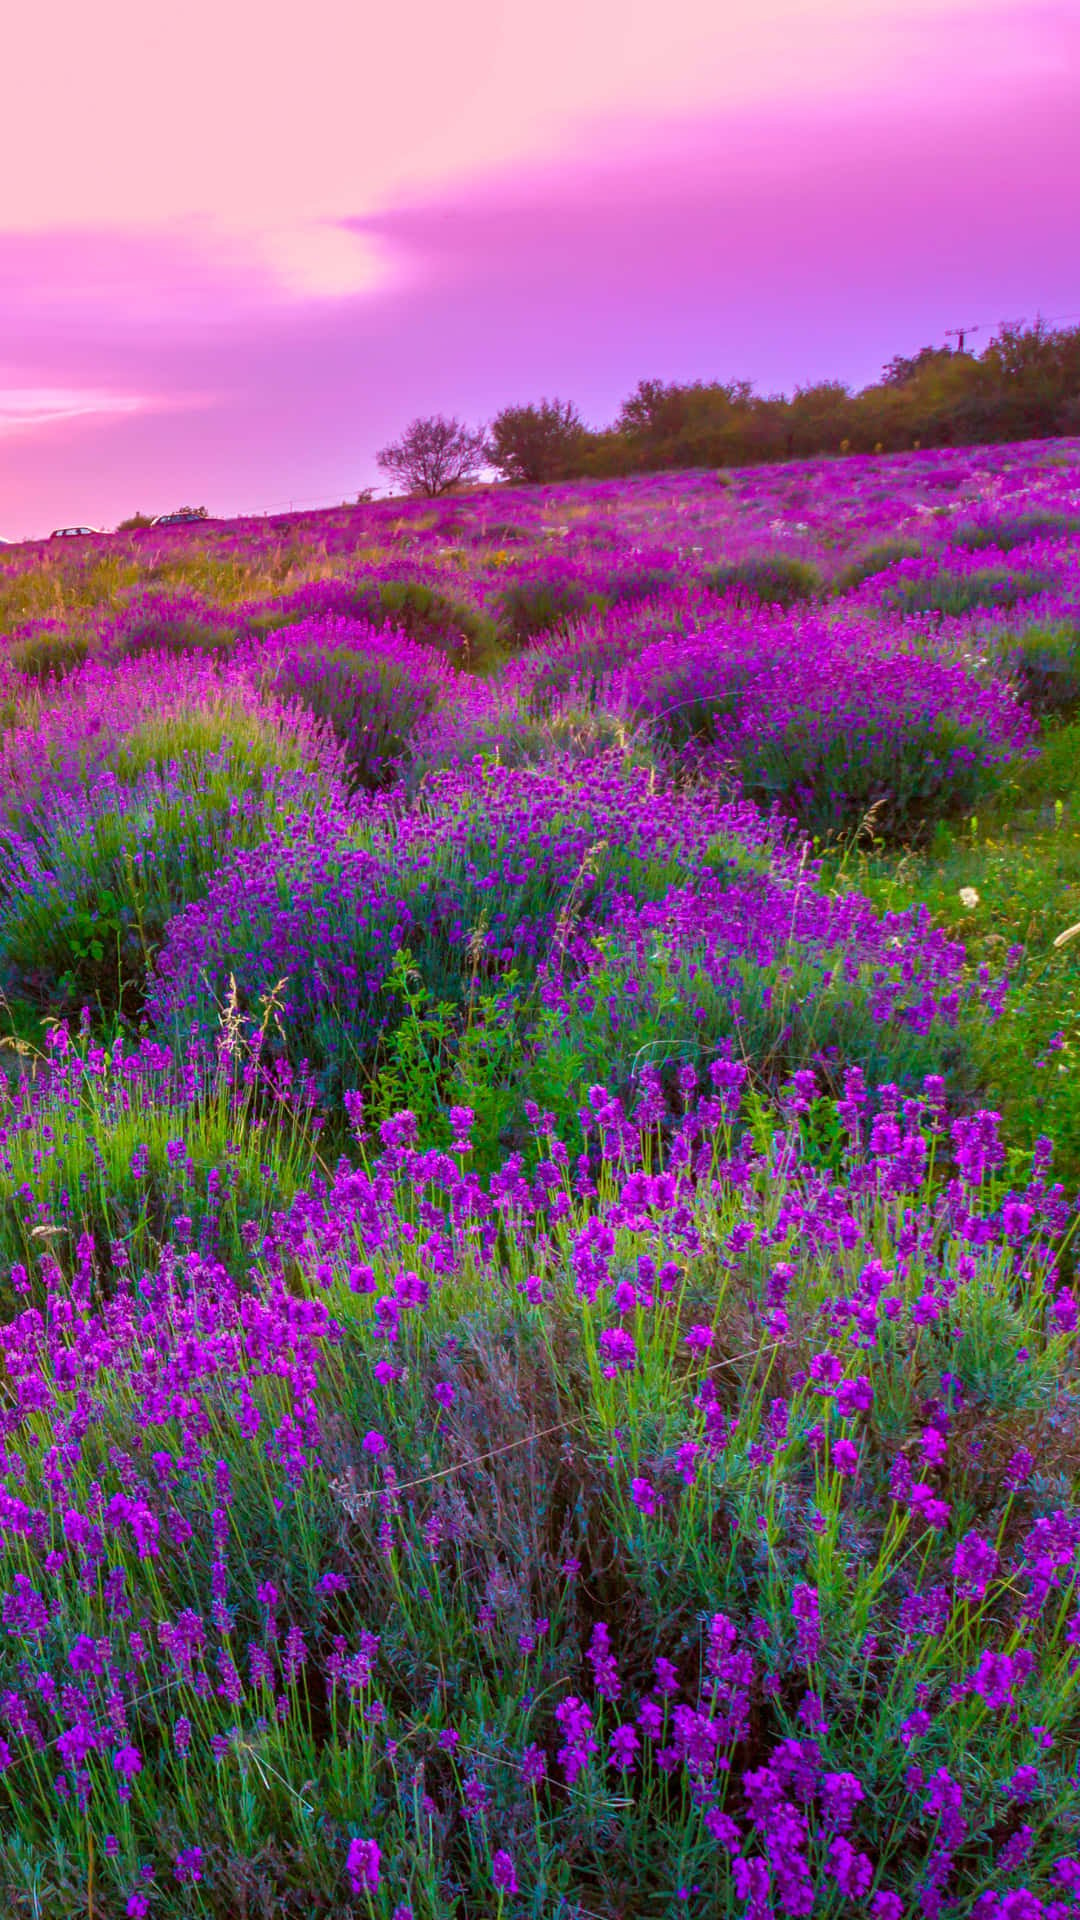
(236, 257)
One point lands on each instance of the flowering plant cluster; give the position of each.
(533, 1378)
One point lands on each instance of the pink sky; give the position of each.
(235, 259)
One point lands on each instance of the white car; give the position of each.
(181, 518)
(72, 533)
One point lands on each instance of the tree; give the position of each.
(433, 455)
(903, 368)
(534, 444)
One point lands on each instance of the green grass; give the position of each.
(1021, 859)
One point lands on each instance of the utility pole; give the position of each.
(959, 334)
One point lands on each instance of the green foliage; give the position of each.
(1045, 664)
(86, 902)
(47, 656)
(437, 1055)
(1014, 530)
(536, 444)
(174, 633)
(541, 605)
(78, 1150)
(1020, 862)
(777, 579)
(875, 559)
(959, 593)
(426, 613)
(251, 741)
(667, 1012)
(922, 769)
(373, 704)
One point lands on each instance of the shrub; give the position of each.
(477, 883)
(825, 718)
(896, 771)
(634, 584)
(87, 899)
(374, 689)
(1045, 664)
(536, 444)
(428, 614)
(577, 671)
(119, 1141)
(541, 604)
(959, 593)
(778, 579)
(173, 626)
(750, 964)
(46, 655)
(502, 533)
(1014, 530)
(873, 560)
(257, 739)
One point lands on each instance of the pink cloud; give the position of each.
(782, 243)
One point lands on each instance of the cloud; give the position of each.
(779, 245)
(26, 409)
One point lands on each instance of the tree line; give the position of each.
(1025, 385)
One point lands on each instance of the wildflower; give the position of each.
(644, 1496)
(622, 1746)
(362, 1865)
(969, 899)
(579, 1745)
(806, 1613)
(974, 1566)
(138, 1906)
(841, 1793)
(699, 1338)
(618, 1351)
(187, 1867)
(1018, 1472)
(853, 1872)
(605, 1672)
(503, 1876)
(914, 1727)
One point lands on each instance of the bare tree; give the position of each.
(433, 455)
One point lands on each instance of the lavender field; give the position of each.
(540, 1148)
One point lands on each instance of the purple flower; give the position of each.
(974, 1566)
(579, 1743)
(362, 1865)
(503, 1876)
(807, 1616)
(187, 1867)
(622, 1746)
(644, 1496)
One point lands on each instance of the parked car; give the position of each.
(180, 518)
(71, 533)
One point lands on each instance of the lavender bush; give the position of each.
(534, 1379)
